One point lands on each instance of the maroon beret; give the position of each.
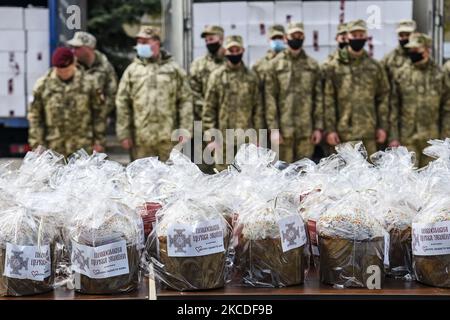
(62, 57)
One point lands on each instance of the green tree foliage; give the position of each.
(105, 20)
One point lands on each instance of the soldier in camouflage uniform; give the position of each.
(232, 101)
(96, 65)
(66, 113)
(398, 57)
(421, 93)
(261, 67)
(202, 67)
(445, 121)
(356, 94)
(341, 40)
(153, 100)
(294, 99)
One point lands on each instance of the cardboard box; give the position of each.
(11, 18)
(258, 34)
(233, 13)
(32, 78)
(287, 11)
(397, 10)
(390, 37)
(38, 61)
(206, 13)
(260, 12)
(13, 106)
(316, 12)
(256, 53)
(38, 40)
(37, 19)
(12, 40)
(317, 34)
(12, 85)
(237, 29)
(320, 53)
(12, 62)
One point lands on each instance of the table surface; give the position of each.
(311, 289)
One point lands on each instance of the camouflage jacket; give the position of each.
(66, 116)
(445, 121)
(394, 61)
(261, 68)
(421, 94)
(293, 93)
(153, 99)
(356, 96)
(199, 73)
(232, 100)
(105, 79)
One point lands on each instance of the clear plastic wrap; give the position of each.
(431, 227)
(105, 248)
(397, 206)
(431, 244)
(271, 243)
(190, 246)
(351, 242)
(27, 252)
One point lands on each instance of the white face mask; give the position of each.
(144, 50)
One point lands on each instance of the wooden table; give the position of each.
(314, 290)
(311, 290)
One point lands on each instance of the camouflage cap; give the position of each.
(419, 40)
(82, 39)
(277, 30)
(357, 25)
(342, 28)
(212, 30)
(232, 41)
(295, 27)
(406, 26)
(148, 32)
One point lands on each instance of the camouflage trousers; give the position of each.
(417, 146)
(161, 150)
(293, 149)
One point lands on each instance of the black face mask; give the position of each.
(295, 43)
(234, 59)
(342, 45)
(357, 44)
(415, 56)
(403, 43)
(213, 47)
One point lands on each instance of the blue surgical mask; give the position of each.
(277, 45)
(144, 50)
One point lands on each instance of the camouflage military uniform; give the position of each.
(341, 30)
(232, 102)
(101, 71)
(421, 93)
(105, 79)
(294, 103)
(262, 67)
(445, 121)
(153, 99)
(398, 57)
(356, 98)
(201, 69)
(66, 116)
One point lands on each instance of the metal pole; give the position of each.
(54, 30)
